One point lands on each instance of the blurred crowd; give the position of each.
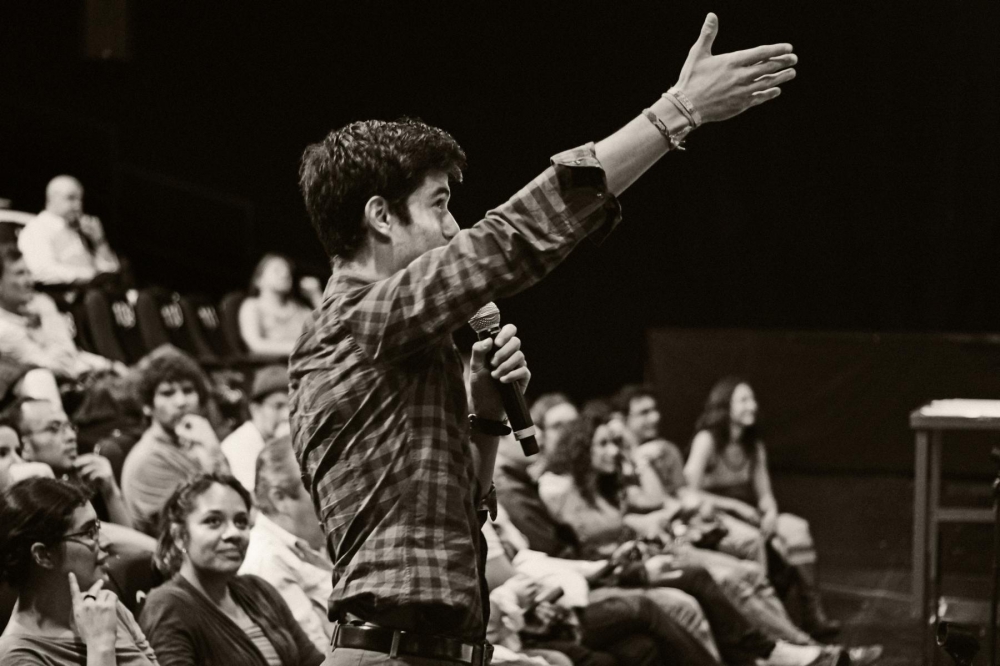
(153, 510)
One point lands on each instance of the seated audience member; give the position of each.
(268, 419)
(48, 437)
(20, 380)
(287, 544)
(729, 462)
(660, 464)
(271, 318)
(517, 490)
(13, 467)
(62, 245)
(206, 613)
(33, 331)
(56, 560)
(625, 629)
(179, 443)
(516, 477)
(583, 488)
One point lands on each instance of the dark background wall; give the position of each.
(864, 199)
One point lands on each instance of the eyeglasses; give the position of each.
(56, 429)
(91, 534)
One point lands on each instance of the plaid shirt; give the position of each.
(380, 414)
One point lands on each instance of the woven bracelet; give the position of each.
(675, 143)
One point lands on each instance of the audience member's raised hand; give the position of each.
(195, 430)
(722, 86)
(95, 616)
(95, 470)
(768, 524)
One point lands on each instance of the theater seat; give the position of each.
(203, 313)
(113, 326)
(163, 319)
(229, 310)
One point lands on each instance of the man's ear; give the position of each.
(377, 216)
(42, 557)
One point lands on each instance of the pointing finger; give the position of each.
(74, 588)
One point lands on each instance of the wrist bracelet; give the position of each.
(676, 141)
(686, 106)
(488, 426)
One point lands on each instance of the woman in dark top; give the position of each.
(206, 614)
(52, 553)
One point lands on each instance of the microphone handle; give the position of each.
(515, 407)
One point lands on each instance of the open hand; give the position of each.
(725, 85)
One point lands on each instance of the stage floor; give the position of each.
(863, 527)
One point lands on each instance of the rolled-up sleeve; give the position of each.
(509, 250)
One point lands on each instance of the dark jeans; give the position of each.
(739, 643)
(632, 631)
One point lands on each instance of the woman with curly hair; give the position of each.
(53, 555)
(729, 462)
(206, 614)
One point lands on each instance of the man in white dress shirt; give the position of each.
(287, 543)
(62, 245)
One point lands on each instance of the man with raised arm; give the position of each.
(397, 458)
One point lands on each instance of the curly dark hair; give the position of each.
(363, 159)
(169, 364)
(716, 416)
(572, 455)
(173, 518)
(35, 510)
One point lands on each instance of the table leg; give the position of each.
(919, 588)
(934, 540)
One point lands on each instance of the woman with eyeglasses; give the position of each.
(52, 554)
(206, 614)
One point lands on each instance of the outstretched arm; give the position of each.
(718, 86)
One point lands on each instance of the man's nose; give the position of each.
(450, 227)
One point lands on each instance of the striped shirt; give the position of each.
(380, 414)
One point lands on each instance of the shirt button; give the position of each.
(600, 195)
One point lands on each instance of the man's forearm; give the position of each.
(117, 511)
(629, 152)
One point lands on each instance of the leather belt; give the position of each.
(394, 642)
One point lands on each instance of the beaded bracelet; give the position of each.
(676, 143)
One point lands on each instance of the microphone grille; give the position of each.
(486, 317)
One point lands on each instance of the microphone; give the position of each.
(486, 324)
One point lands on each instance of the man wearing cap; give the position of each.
(268, 419)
